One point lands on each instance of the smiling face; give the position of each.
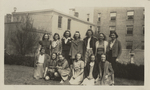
(101, 36)
(77, 35)
(92, 58)
(113, 36)
(46, 36)
(53, 56)
(56, 37)
(67, 34)
(42, 51)
(78, 56)
(103, 58)
(61, 57)
(89, 33)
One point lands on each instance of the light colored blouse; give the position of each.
(91, 69)
(41, 58)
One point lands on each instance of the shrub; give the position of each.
(129, 71)
(19, 60)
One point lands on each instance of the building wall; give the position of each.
(121, 23)
(75, 25)
(83, 13)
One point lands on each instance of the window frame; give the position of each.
(127, 27)
(113, 16)
(69, 24)
(127, 44)
(112, 30)
(59, 21)
(98, 17)
(130, 15)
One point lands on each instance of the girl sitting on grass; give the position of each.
(78, 70)
(51, 67)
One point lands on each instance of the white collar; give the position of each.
(67, 38)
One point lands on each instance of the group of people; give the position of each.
(89, 61)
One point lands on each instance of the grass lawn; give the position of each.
(23, 75)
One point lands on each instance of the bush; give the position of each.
(19, 60)
(129, 71)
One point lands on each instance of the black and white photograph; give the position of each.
(75, 43)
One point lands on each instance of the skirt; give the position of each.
(77, 80)
(64, 73)
(88, 82)
(39, 71)
(88, 53)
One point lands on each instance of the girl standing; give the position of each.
(45, 43)
(66, 45)
(56, 44)
(76, 46)
(101, 46)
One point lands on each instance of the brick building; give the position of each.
(128, 22)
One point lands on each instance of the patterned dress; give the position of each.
(77, 66)
(56, 46)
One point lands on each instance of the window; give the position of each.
(130, 15)
(129, 44)
(113, 15)
(129, 29)
(69, 24)
(99, 17)
(143, 29)
(98, 29)
(59, 21)
(112, 29)
(88, 17)
(142, 45)
(76, 14)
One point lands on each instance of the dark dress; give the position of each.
(46, 44)
(66, 49)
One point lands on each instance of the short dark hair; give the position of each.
(55, 54)
(75, 33)
(113, 33)
(67, 31)
(77, 54)
(89, 30)
(44, 36)
(55, 35)
(91, 56)
(103, 35)
(42, 49)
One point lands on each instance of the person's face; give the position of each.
(46, 36)
(77, 35)
(103, 58)
(67, 34)
(61, 57)
(101, 37)
(113, 36)
(53, 56)
(78, 56)
(56, 37)
(93, 58)
(89, 33)
(42, 51)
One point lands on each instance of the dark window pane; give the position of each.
(113, 18)
(130, 17)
